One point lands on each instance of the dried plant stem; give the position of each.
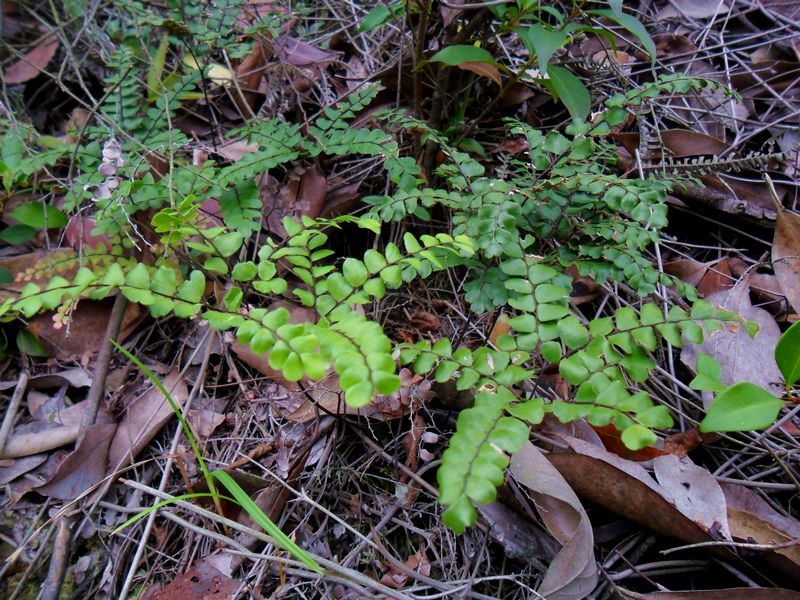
(97, 391)
(58, 561)
(13, 407)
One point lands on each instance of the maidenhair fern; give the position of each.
(514, 233)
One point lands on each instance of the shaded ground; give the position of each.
(357, 489)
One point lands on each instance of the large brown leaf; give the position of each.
(201, 582)
(626, 488)
(84, 330)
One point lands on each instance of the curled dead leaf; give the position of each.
(573, 572)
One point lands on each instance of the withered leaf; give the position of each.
(573, 572)
(786, 256)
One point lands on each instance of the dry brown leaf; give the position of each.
(85, 329)
(680, 444)
(235, 150)
(627, 489)
(573, 571)
(76, 377)
(33, 62)
(449, 13)
(339, 199)
(512, 145)
(417, 562)
(693, 9)
(204, 421)
(751, 518)
(302, 195)
(786, 255)
(482, 69)
(20, 466)
(678, 143)
(765, 287)
(249, 74)
(422, 320)
(300, 54)
(37, 267)
(686, 483)
(201, 582)
(500, 328)
(708, 277)
(83, 467)
(143, 419)
(742, 358)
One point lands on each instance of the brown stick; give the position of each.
(97, 391)
(58, 561)
(13, 407)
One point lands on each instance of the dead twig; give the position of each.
(11, 411)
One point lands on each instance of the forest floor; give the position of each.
(706, 515)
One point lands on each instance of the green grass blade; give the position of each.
(158, 505)
(266, 523)
(178, 413)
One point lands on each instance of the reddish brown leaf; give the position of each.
(37, 267)
(340, 199)
(84, 329)
(612, 440)
(201, 582)
(249, 74)
(786, 256)
(482, 69)
(501, 327)
(679, 142)
(417, 562)
(512, 145)
(708, 278)
(302, 195)
(33, 62)
(424, 321)
(680, 444)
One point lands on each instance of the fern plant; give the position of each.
(514, 232)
